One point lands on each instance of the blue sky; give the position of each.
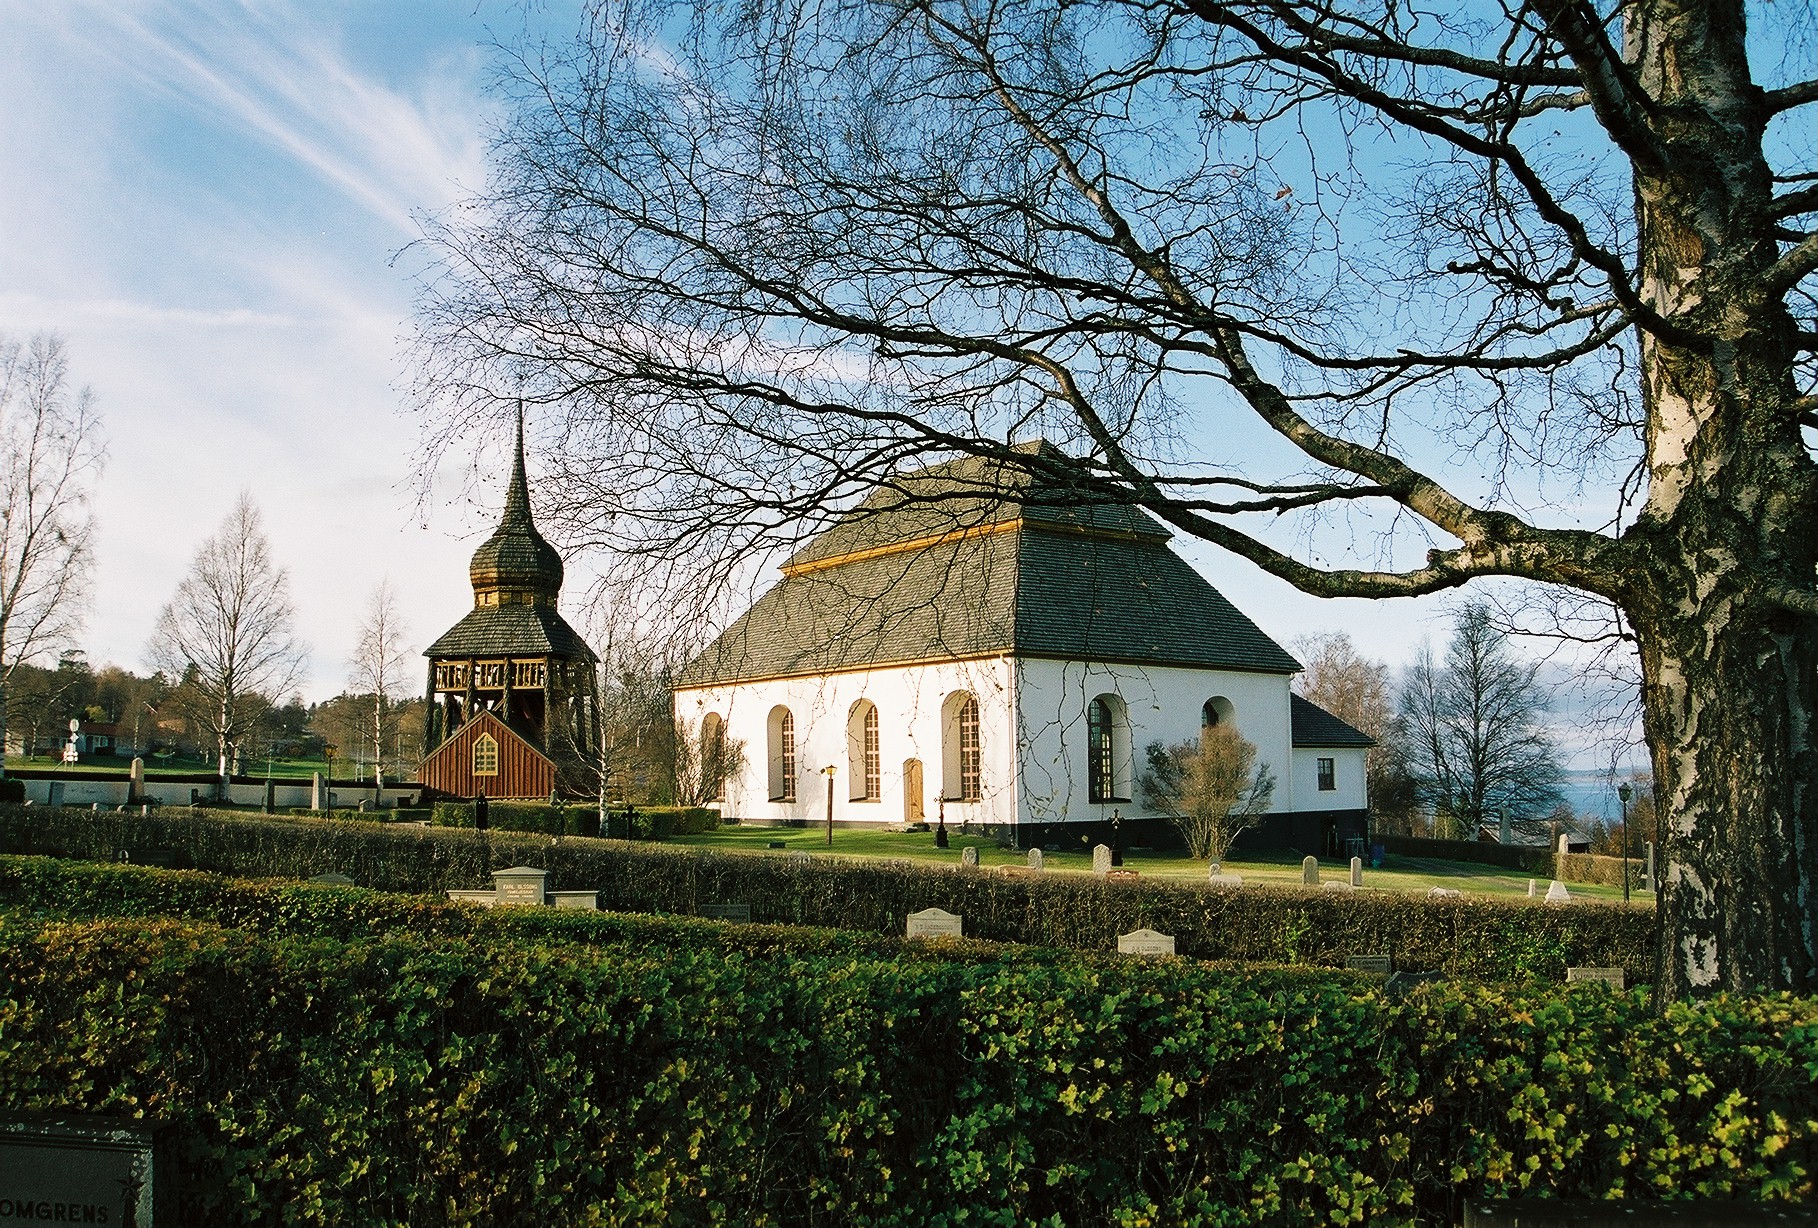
(210, 203)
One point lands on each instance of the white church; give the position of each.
(965, 646)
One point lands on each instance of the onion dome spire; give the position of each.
(515, 566)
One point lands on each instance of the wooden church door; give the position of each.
(912, 792)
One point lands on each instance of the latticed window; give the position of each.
(874, 764)
(787, 741)
(968, 751)
(485, 755)
(782, 754)
(1101, 763)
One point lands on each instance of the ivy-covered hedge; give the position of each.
(687, 1074)
(1461, 937)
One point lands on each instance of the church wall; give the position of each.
(1348, 763)
(1162, 703)
(909, 700)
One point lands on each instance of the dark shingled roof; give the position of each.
(511, 630)
(1095, 583)
(1314, 726)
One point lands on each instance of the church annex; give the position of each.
(966, 642)
(513, 708)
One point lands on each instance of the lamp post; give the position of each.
(1623, 793)
(828, 772)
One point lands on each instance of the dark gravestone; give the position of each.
(93, 1170)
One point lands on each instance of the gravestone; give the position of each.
(1224, 880)
(1565, 845)
(1145, 942)
(969, 858)
(485, 899)
(56, 794)
(799, 856)
(1530, 888)
(1375, 965)
(271, 797)
(1649, 884)
(1101, 859)
(1613, 977)
(933, 923)
(79, 1169)
(315, 791)
(738, 913)
(521, 885)
(1445, 893)
(1309, 871)
(586, 900)
(1035, 860)
(135, 781)
(779, 844)
(1123, 876)
(1357, 871)
(1557, 893)
(1337, 886)
(333, 880)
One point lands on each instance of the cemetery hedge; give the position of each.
(647, 822)
(1459, 937)
(322, 1055)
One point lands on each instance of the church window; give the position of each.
(782, 754)
(1328, 775)
(1107, 750)
(713, 757)
(864, 765)
(1217, 711)
(485, 755)
(960, 747)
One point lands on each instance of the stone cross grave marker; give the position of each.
(521, 885)
(1101, 859)
(1613, 977)
(1357, 871)
(1375, 965)
(1309, 871)
(1145, 942)
(969, 858)
(933, 923)
(1035, 860)
(1557, 893)
(736, 913)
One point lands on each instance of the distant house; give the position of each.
(1540, 833)
(966, 643)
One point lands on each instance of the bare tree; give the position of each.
(377, 668)
(1356, 690)
(1212, 789)
(50, 458)
(228, 632)
(1471, 724)
(1448, 278)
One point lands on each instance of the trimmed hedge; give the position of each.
(1523, 857)
(580, 819)
(1462, 937)
(1595, 868)
(494, 1077)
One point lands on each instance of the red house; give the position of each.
(486, 756)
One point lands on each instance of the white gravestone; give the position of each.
(1357, 871)
(969, 858)
(521, 885)
(135, 788)
(1444, 893)
(1557, 893)
(933, 923)
(1035, 860)
(1309, 872)
(315, 791)
(1145, 942)
(1531, 891)
(1101, 859)
(1219, 879)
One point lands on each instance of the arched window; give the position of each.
(782, 754)
(1217, 711)
(713, 757)
(864, 764)
(485, 755)
(1107, 750)
(962, 778)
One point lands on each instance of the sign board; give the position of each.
(1376, 965)
(1145, 942)
(1602, 976)
(933, 923)
(76, 1170)
(738, 913)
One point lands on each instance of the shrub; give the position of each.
(1463, 937)
(12, 790)
(389, 1077)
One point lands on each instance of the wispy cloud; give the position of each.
(30, 311)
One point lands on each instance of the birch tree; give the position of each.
(51, 455)
(1454, 291)
(228, 632)
(378, 667)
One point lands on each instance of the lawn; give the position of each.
(177, 765)
(1407, 874)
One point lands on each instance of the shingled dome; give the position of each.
(515, 566)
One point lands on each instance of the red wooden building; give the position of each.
(513, 709)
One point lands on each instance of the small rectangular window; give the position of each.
(1328, 775)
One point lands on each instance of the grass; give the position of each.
(1405, 874)
(178, 765)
